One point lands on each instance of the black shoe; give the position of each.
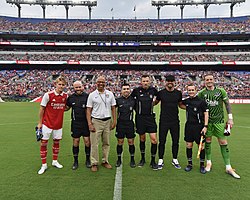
(188, 168)
(132, 164)
(203, 170)
(118, 163)
(88, 164)
(141, 163)
(75, 166)
(154, 166)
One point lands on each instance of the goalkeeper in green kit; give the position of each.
(215, 97)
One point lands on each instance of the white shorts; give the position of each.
(56, 134)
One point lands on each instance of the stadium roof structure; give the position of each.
(65, 3)
(183, 3)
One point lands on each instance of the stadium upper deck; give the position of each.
(126, 30)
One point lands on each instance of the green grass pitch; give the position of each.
(20, 162)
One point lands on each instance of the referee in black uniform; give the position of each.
(196, 125)
(79, 124)
(145, 118)
(125, 125)
(170, 99)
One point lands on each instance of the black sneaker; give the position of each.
(118, 163)
(132, 164)
(75, 166)
(188, 168)
(154, 166)
(141, 163)
(203, 170)
(88, 164)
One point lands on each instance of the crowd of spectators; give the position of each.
(34, 83)
(121, 26)
(141, 57)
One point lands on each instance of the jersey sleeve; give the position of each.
(113, 101)
(180, 96)
(155, 92)
(90, 101)
(69, 103)
(45, 100)
(133, 93)
(224, 94)
(158, 96)
(204, 106)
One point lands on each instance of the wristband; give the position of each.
(205, 126)
(230, 116)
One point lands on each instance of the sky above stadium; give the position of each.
(125, 9)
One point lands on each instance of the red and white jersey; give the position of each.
(54, 104)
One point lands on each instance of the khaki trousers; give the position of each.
(102, 132)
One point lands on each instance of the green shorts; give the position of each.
(216, 130)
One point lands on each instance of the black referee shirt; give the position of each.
(169, 105)
(195, 108)
(78, 104)
(144, 100)
(125, 108)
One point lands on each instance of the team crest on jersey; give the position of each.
(217, 94)
(151, 96)
(205, 95)
(63, 99)
(195, 109)
(131, 108)
(107, 95)
(83, 105)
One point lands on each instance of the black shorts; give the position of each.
(79, 129)
(193, 132)
(145, 124)
(125, 129)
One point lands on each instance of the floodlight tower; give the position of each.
(65, 3)
(206, 3)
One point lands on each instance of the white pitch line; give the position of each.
(118, 184)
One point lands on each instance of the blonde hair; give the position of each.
(62, 79)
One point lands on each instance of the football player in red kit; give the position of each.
(51, 120)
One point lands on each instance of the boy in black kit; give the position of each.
(196, 125)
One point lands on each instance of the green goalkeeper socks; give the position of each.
(208, 150)
(225, 154)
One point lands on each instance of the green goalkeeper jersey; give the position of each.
(214, 99)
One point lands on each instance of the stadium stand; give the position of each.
(82, 49)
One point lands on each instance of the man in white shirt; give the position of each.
(100, 108)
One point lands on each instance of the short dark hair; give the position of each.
(208, 74)
(191, 84)
(144, 76)
(125, 84)
(169, 78)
